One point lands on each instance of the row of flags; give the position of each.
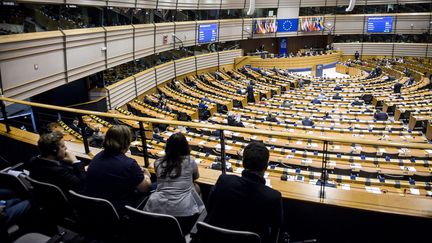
(307, 24)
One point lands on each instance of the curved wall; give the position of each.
(386, 49)
(35, 62)
(217, 4)
(128, 89)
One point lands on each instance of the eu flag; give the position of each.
(287, 25)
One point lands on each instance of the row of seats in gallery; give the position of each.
(358, 165)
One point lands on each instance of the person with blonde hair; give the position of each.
(114, 176)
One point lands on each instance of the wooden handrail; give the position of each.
(88, 102)
(228, 128)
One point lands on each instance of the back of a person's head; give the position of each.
(256, 157)
(48, 143)
(176, 147)
(117, 139)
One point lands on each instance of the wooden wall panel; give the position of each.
(186, 32)
(185, 65)
(145, 80)
(347, 24)
(289, 3)
(165, 72)
(230, 30)
(348, 48)
(410, 49)
(86, 2)
(164, 30)
(84, 52)
(187, 4)
(378, 49)
(417, 23)
(144, 40)
(119, 45)
(122, 92)
(30, 63)
(233, 4)
(207, 61)
(209, 4)
(266, 3)
(150, 4)
(167, 4)
(122, 3)
(227, 57)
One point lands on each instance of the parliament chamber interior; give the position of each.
(336, 94)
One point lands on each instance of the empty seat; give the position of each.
(212, 234)
(97, 217)
(149, 227)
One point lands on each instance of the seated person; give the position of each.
(356, 102)
(337, 88)
(206, 99)
(286, 104)
(251, 195)
(271, 118)
(156, 134)
(397, 87)
(316, 101)
(380, 116)
(13, 210)
(115, 177)
(307, 122)
(96, 139)
(234, 120)
(202, 104)
(75, 126)
(321, 96)
(327, 116)
(411, 81)
(176, 192)
(55, 165)
(337, 96)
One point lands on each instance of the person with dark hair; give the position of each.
(307, 122)
(115, 177)
(316, 101)
(357, 102)
(75, 126)
(176, 192)
(251, 196)
(337, 96)
(356, 55)
(96, 139)
(271, 118)
(397, 87)
(55, 165)
(380, 116)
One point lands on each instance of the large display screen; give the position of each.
(311, 24)
(380, 24)
(265, 26)
(207, 33)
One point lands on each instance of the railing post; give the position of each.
(83, 134)
(223, 161)
(144, 144)
(4, 113)
(324, 170)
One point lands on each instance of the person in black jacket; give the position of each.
(397, 87)
(259, 208)
(56, 165)
(356, 102)
(380, 116)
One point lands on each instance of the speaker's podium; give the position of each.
(317, 70)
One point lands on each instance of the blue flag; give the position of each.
(287, 25)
